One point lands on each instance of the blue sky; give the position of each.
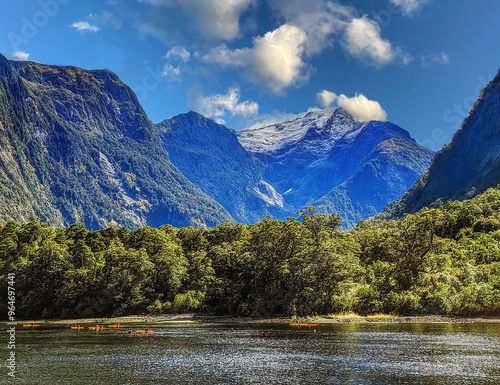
(417, 63)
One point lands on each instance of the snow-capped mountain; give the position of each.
(329, 160)
(329, 124)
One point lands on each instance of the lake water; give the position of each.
(262, 354)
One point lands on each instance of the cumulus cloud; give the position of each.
(326, 98)
(435, 59)
(84, 26)
(409, 7)
(178, 52)
(360, 107)
(217, 106)
(275, 60)
(279, 59)
(317, 18)
(363, 41)
(19, 56)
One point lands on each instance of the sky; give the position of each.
(417, 63)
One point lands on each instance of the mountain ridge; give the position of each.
(210, 155)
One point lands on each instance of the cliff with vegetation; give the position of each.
(76, 146)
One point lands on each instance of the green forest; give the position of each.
(437, 261)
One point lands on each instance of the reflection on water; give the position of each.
(263, 354)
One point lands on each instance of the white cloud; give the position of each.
(277, 57)
(409, 7)
(317, 18)
(171, 72)
(175, 54)
(178, 52)
(441, 58)
(84, 26)
(19, 56)
(363, 41)
(360, 107)
(326, 98)
(275, 60)
(216, 106)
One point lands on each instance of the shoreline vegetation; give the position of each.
(350, 318)
(443, 261)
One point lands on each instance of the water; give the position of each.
(263, 354)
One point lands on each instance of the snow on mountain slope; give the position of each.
(271, 139)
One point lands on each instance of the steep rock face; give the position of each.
(330, 161)
(211, 157)
(465, 168)
(76, 145)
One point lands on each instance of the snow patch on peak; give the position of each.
(272, 138)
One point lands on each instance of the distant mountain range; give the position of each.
(76, 145)
(467, 166)
(325, 159)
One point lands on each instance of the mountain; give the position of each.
(76, 145)
(329, 160)
(466, 167)
(211, 157)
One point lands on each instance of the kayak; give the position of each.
(31, 326)
(96, 328)
(116, 326)
(77, 327)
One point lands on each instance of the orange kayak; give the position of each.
(77, 327)
(31, 326)
(149, 331)
(96, 328)
(116, 326)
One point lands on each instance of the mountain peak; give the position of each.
(329, 123)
